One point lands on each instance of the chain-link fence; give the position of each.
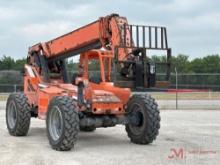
(202, 81)
(189, 91)
(209, 81)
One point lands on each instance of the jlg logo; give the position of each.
(176, 153)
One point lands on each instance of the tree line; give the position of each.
(9, 63)
(207, 64)
(10, 70)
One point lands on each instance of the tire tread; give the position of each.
(23, 114)
(153, 113)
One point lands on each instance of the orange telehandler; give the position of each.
(86, 102)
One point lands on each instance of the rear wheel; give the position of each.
(18, 114)
(144, 110)
(62, 123)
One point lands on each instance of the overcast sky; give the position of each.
(193, 25)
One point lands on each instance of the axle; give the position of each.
(108, 121)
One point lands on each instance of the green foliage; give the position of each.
(207, 64)
(8, 63)
(93, 65)
(19, 64)
(181, 63)
(10, 69)
(72, 66)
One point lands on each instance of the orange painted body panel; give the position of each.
(73, 40)
(122, 93)
(107, 31)
(44, 97)
(108, 108)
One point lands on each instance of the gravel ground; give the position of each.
(186, 137)
(190, 104)
(182, 104)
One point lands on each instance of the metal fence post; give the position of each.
(176, 88)
(210, 97)
(15, 88)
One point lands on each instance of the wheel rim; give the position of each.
(137, 110)
(11, 115)
(55, 123)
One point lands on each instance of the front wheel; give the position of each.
(62, 123)
(144, 110)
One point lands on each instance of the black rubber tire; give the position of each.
(150, 114)
(70, 122)
(88, 129)
(23, 114)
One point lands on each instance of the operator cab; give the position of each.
(95, 65)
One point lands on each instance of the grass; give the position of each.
(169, 96)
(3, 97)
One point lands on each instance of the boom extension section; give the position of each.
(107, 32)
